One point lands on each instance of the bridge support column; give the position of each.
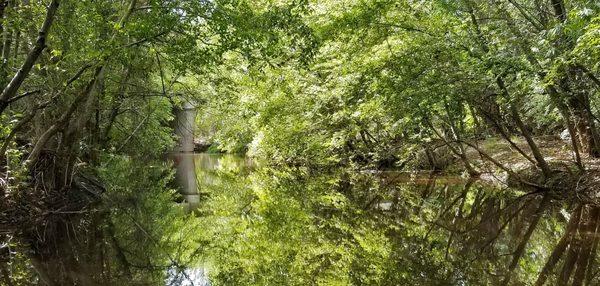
(183, 157)
(185, 125)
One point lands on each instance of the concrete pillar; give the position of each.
(183, 157)
(185, 125)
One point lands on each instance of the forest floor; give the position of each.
(557, 153)
(554, 150)
(565, 183)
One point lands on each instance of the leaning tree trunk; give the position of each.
(576, 93)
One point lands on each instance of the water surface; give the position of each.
(232, 222)
(275, 226)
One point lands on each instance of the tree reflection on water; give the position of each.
(257, 225)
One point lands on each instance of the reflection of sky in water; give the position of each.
(189, 277)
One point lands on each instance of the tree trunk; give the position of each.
(11, 89)
(576, 95)
(537, 154)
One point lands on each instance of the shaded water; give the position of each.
(256, 225)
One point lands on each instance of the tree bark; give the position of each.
(539, 158)
(472, 172)
(592, 260)
(577, 101)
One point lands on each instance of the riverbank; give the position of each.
(497, 162)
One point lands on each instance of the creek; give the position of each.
(236, 222)
(280, 226)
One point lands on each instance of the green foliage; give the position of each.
(293, 227)
(315, 88)
(154, 234)
(389, 72)
(586, 50)
(149, 135)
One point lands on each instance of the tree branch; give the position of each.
(11, 89)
